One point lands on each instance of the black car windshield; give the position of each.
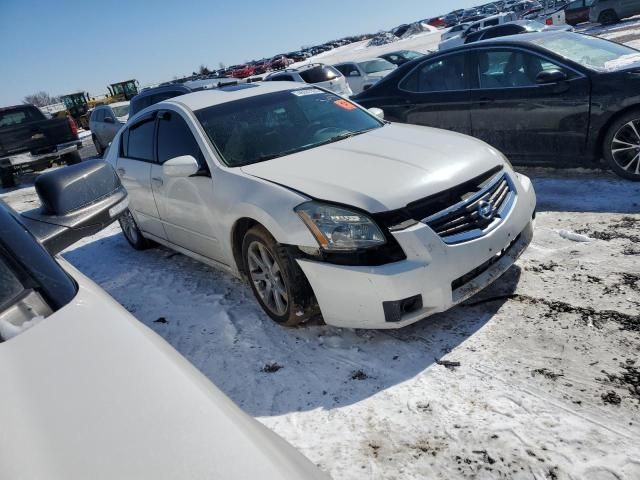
(378, 65)
(275, 124)
(322, 73)
(591, 52)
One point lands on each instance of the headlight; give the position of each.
(339, 229)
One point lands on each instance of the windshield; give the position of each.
(121, 111)
(590, 52)
(534, 26)
(276, 124)
(410, 55)
(373, 66)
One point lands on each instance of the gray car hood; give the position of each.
(384, 169)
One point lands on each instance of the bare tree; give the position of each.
(40, 99)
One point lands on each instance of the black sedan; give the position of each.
(554, 98)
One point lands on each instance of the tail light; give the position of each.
(549, 21)
(72, 125)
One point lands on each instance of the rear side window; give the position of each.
(175, 139)
(161, 97)
(97, 115)
(137, 142)
(282, 78)
(19, 116)
(492, 22)
(441, 75)
(319, 74)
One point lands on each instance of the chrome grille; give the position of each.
(476, 215)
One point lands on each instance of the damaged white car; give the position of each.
(324, 207)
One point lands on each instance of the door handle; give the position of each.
(157, 181)
(121, 172)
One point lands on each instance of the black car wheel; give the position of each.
(131, 231)
(607, 17)
(276, 280)
(622, 146)
(99, 148)
(72, 158)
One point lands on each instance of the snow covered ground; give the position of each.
(547, 385)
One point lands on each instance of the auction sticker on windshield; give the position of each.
(344, 104)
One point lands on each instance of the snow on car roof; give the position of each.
(207, 98)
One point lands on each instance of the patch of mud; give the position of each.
(546, 373)
(359, 375)
(628, 377)
(272, 367)
(614, 230)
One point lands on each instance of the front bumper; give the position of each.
(441, 275)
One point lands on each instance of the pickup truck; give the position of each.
(30, 142)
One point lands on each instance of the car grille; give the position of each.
(476, 215)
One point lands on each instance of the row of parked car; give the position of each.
(571, 12)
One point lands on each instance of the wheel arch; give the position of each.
(238, 231)
(599, 144)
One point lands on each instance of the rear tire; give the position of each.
(132, 232)
(277, 281)
(96, 143)
(608, 17)
(621, 146)
(7, 179)
(72, 158)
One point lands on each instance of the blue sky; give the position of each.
(61, 46)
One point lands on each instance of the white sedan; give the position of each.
(325, 208)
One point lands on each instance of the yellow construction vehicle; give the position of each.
(121, 91)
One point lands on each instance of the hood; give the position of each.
(384, 169)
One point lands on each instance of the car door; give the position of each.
(96, 123)
(135, 158)
(354, 76)
(630, 8)
(185, 204)
(522, 116)
(435, 94)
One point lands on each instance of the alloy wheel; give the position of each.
(129, 227)
(625, 147)
(266, 275)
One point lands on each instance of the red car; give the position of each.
(279, 62)
(244, 71)
(577, 11)
(437, 22)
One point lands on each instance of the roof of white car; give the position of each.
(208, 98)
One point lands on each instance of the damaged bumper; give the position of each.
(434, 277)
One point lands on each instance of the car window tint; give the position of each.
(319, 74)
(10, 285)
(283, 78)
(161, 97)
(175, 139)
(98, 115)
(474, 37)
(492, 22)
(440, 75)
(139, 144)
(511, 68)
(107, 113)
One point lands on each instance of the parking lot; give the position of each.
(536, 377)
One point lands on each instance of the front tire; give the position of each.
(608, 17)
(72, 158)
(131, 231)
(277, 281)
(96, 143)
(621, 146)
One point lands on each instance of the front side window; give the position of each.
(175, 139)
(139, 141)
(511, 68)
(98, 115)
(440, 75)
(282, 78)
(10, 285)
(272, 125)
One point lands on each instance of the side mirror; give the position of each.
(551, 76)
(109, 120)
(377, 112)
(76, 201)
(183, 166)
(354, 73)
